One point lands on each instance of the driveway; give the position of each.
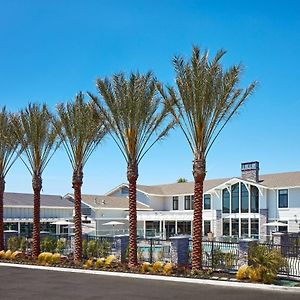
(18, 283)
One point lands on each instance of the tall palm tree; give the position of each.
(81, 132)
(37, 136)
(137, 120)
(9, 152)
(208, 97)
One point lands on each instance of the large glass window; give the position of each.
(235, 190)
(244, 227)
(207, 201)
(152, 228)
(207, 227)
(254, 228)
(254, 199)
(226, 201)
(283, 201)
(244, 199)
(187, 202)
(184, 227)
(175, 203)
(235, 227)
(226, 227)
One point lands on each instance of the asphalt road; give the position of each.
(17, 283)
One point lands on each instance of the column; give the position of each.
(145, 229)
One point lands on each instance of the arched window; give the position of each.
(226, 201)
(244, 199)
(235, 191)
(254, 199)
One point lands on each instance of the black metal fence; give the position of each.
(223, 256)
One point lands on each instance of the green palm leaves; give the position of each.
(208, 97)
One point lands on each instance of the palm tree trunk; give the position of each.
(199, 175)
(2, 188)
(132, 175)
(37, 186)
(77, 183)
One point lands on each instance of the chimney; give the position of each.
(250, 171)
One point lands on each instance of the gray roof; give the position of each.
(20, 199)
(277, 180)
(99, 201)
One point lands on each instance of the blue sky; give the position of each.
(50, 50)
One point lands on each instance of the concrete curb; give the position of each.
(162, 278)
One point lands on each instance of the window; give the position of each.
(184, 227)
(244, 199)
(124, 190)
(207, 201)
(207, 228)
(235, 227)
(175, 203)
(283, 228)
(226, 227)
(244, 227)
(283, 201)
(254, 199)
(226, 201)
(188, 202)
(235, 198)
(254, 228)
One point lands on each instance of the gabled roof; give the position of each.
(20, 199)
(277, 180)
(107, 202)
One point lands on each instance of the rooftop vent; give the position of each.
(250, 171)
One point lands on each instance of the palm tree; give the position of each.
(208, 97)
(9, 152)
(37, 136)
(137, 120)
(81, 132)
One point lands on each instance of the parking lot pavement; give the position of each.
(18, 283)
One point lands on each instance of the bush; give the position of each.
(103, 249)
(157, 267)
(145, 267)
(100, 263)
(168, 268)
(84, 248)
(265, 264)
(88, 264)
(242, 273)
(13, 243)
(110, 261)
(60, 245)
(55, 259)
(48, 244)
(2, 254)
(45, 258)
(8, 254)
(16, 255)
(92, 248)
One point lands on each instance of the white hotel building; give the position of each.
(238, 206)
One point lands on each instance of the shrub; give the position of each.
(60, 245)
(103, 249)
(100, 263)
(16, 255)
(242, 273)
(23, 244)
(2, 254)
(88, 264)
(267, 262)
(145, 267)
(157, 267)
(8, 254)
(92, 248)
(45, 257)
(55, 259)
(13, 243)
(110, 261)
(84, 248)
(48, 244)
(168, 268)
(254, 274)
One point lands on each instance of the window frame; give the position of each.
(206, 195)
(175, 200)
(278, 198)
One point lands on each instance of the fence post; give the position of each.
(243, 252)
(180, 250)
(151, 251)
(212, 254)
(122, 242)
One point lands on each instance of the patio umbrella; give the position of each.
(62, 222)
(275, 223)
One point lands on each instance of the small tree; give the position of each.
(182, 180)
